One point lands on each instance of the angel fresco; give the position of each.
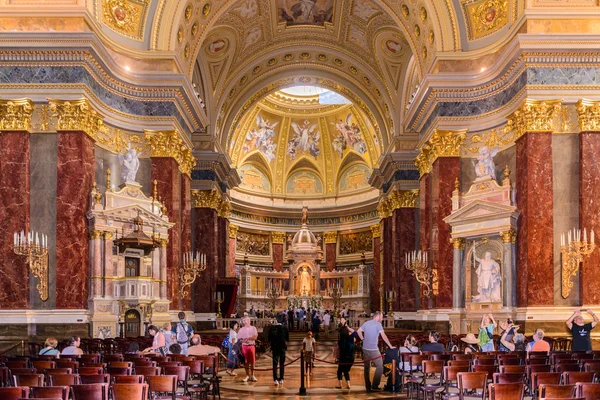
(306, 138)
(261, 138)
(349, 135)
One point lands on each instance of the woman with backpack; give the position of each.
(486, 332)
(231, 356)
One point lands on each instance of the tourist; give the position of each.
(73, 348)
(252, 312)
(315, 324)
(174, 348)
(472, 344)
(167, 331)
(372, 329)
(290, 315)
(510, 332)
(278, 338)
(248, 335)
(183, 332)
(487, 329)
(538, 344)
(581, 331)
(301, 317)
(410, 346)
(518, 339)
(231, 356)
(309, 345)
(433, 346)
(158, 344)
(326, 321)
(196, 347)
(346, 340)
(50, 348)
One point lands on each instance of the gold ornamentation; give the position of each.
(424, 52)
(125, 16)
(458, 243)
(278, 237)
(194, 29)
(206, 10)
(441, 144)
(186, 51)
(405, 10)
(207, 199)
(108, 183)
(170, 144)
(108, 236)
(96, 195)
(180, 35)
(376, 230)
(533, 116)
(383, 209)
(431, 37)
(417, 30)
(403, 199)
(225, 209)
(188, 12)
(76, 115)
(94, 235)
(485, 17)
(233, 230)
(163, 242)
(589, 115)
(330, 237)
(573, 253)
(509, 236)
(423, 14)
(506, 173)
(15, 115)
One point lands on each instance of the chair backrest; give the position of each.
(13, 393)
(433, 366)
(119, 371)
(90, 370)
(538, 361)
(567, 367)
(60, 392)
(547, 378)
(128, 391)
(90, 358)
(484, 361)
(121, 364)
(163, 384)
(95, 378)
(459, 363)
(95, 391)
(147, 371)
(571, 378)
(59, 371)
(128, 379)
(506, 391)
(67, 364)
(144, 363)
(210, 362)
(512, 369)
(589, 391)
(182, 372)
(4, 376)
(196, 366)
(472, 380)
(509, 361)
(451, 372)
(500, 377)
(414, 361)
(44, 364)
(538, 368)
(64, 380)
(29, 380)
(557, 391)
(112, 357)
(23, 363)
(22, 371)
(441, 357)
(488, 369)
(170, 363)
(583, 356)
(567, 361)
(462, 357)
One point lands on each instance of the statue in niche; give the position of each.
(304, 288)
(304, 215)
(485, 166)
(488, 279)
(130, 164)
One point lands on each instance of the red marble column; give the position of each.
(206, 235)
(75, 175)
(222, 246)
(186, 226)
(165, 171)
(330, 256)
(424, 224)
(374, 279)
(14, 214)
(589, 212)
(277, 256)
(387, 263)
(231, 254)
(444, 172)
(535, 256)
(405, 223)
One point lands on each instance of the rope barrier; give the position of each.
(347, 363)
(238, 365)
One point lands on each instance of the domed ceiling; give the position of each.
(304, 142)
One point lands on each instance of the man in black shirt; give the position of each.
(433, 346)
(581, 331)
(278, 337)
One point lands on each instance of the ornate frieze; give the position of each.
(589, 115)
(76, 115)
(397, 199)
(330, 237)
(533, 116)
(207, 199)
(170, 144)
(233, 230)
(278, 237)
(253, 244)
(15, 115)
(442, 143)
(355, 243)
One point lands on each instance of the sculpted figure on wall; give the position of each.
(356, 243)
(485, 166)
(254, 244)
(488, 279)
(130, 164)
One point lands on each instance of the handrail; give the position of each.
(21, 343)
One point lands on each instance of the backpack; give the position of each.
(225, 342)
(183, 335)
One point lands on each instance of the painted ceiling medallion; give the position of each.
(405, 10)
(125, 16)
(206, 9)
(485, 17)
(188, 12)
(423, 14)
(194, 29)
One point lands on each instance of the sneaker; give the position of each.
(253, 379)
(281, 382)
(375, 389)
(276, 383)
(246, 379)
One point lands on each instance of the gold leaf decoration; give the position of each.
(533, 116)
(485, 17)
(170, 144)
(589, 115)
(126, 17)
(441, 144)
(77, 115)
(15, 115)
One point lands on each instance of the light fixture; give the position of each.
(36, 253)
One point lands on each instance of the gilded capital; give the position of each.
(206, 199)
(533, 116)
(15, 115)
(509, 236)
(403, 199)
(376, 230)
(224, 209)
(233, 230)
(163, 242)
(458, 243)
(77, 115)
(589, 115)
(443, 143)
(330, 237)
(384, 209)
(170, 144)
(108, 235)
(278, 237)
(96, 235)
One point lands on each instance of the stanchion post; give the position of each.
(302, 389)
(394, 377)
(22, 347)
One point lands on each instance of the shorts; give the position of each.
(249, 353)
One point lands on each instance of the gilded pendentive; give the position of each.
(170, 144)
(376, 231)
(441, 144)
(278, 237)
(15, 115)
(125, 16)
(589, 115)
(233, 230)
(76, 115)
(330, 237)
(533, 116)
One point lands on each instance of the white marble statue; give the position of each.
(485, 165)
(130, 164)
(304, 288)
(488, 279)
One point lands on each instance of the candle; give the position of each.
(15, 239)
(592, 238)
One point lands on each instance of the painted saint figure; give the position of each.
(488, 279)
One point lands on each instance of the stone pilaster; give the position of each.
(330, 239)
(458, 273)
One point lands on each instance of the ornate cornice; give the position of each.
(376, 230)
(278, 237)
(206, 199)
(397, 199)
(224, 209)
(330, 237)
(169, 144)
(509, 236)
(233, 230)
(76, 115)
(533, 116)
(589, 115)
(442, 143)
(15, 115)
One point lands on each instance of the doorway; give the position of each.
(132, 324)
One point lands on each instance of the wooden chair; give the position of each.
(472, 380)
(567, 361)
(144, 363)
(571, 378)
(183, 376)
(121, 364)
(170, 364)
(147, 371)
(487, 369)
(484, 361)
(21, 371)
(118, 371)
(459, 363)
(90, 358)
(128, 379)
(509, 361)
(589, 391)
(23, 363)
(440, 357)
(210, 373)
(29, 380)
(462, 357)
(94, 378)
(543, 378)
(67, 364)
(59, 392)
(538, 361)
(64, 380)
(96, 391)
(591, 366)
(112, 357)
(582, 356)
(531, 369)
(125, 391)
(196, 368)
(450, 378)
(166, 384)
(14, 393)
(512, 369)
(58, 371)
(557, 391)
(567, 367)
(44, 364)
(90, 370)
(4, 376)
(508, 378)
(507, 391)
(432, 367)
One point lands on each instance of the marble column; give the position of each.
(205, 235)
(458, 273)
(109, 271)
(374, 277)
(330, 239)
(424, 225)
(186, 226)
(96, 255)
(163, 268)
(277, 242)
(231, 268)
(509, 253)
(222, 246)
(15, 217)
(75, 176)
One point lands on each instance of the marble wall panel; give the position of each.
(506, 157)
(390, 240)
(535, 256)
(330, 255)
(565, 170)
(15, 216)
(75, 175)
(231, 268)
(205, 235)
(374, 277)
(406, 233)
(43, 178)
(106, 159)
(186, 225)
(277, 256)
(589, 212)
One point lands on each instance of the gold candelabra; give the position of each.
(416, 262)
(391, 297)
(36, 255)
(219, 300)
(193, 264)
(336, 293)
(573, 250)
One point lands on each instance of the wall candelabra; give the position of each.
(193, 264)
(219, 300)
(391, 298)
(573, 250)
(35, 250)
(416, 262)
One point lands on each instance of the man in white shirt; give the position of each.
(73, 348)
(326, 322)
